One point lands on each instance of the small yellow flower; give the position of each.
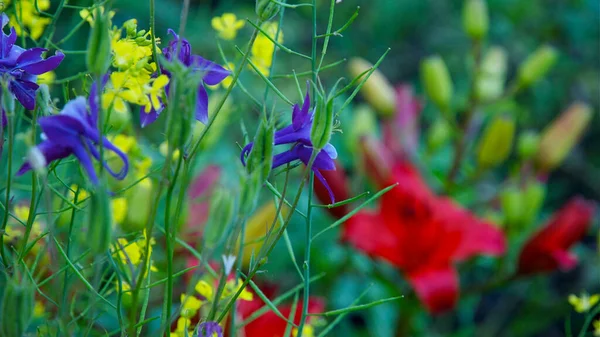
(90, 16)
(128, 252)
(119, 209)
(164, 150)
(29, 18)
(81, 196)
(155, 92)
(231, 288)
(204, 289)
(190, 305)
(39, 310)
(227, 25)
(307, 331)
(46, 78)
(584, 303)
(596, 325)
(183, 325)
(125, 143)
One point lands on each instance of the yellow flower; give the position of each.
(204, 289)
(183, 325)
(227, 25)
(307, 331)
(90, 16)
(164, 150)
(190, 305)
(584, 303)
(46, 78)
(119, 209)
(83, 194)
(39, 310)
(271, 29)
(30, 18)
(128, 252)
(155, 92)
(596, 325)
(232, 288)
(22, 213)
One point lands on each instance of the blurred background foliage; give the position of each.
(414, 29)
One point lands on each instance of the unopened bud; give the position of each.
(533, 196)
(492, 74)
(496, 143)
(130, 27)
(139, 201)
(537, 65)
(36, 159)
(260, 159)
(266, 9)
(100, 221)
(322, 126)
(475, 19)
(99, 51)
(17, 307)
(363, 123)
(559, 138)
(119, 120)
(438, 134)
(437, 82)
(377, 90)
(220, 212)
(251, 184)
(528, 144)
(513, 205)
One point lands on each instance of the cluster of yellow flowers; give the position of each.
(190, 304)
(583, 304)
(28, 20)
(264, 47)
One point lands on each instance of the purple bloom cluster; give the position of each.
(75, 131)
(213, 74)
(298, 134)
(21, 66)
(209, 329)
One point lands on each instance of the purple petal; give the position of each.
(7, 41)
(31, 61)
(110, 146)
(202, 105)
(84, 158)
(288, 135)
(245, 151)
(324, 182)
(50, 151)
(213, 73)
(330, 150)
(24, 91)
(93, 100)
(147, 118)
(285, 157)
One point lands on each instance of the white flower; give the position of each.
(228, 261)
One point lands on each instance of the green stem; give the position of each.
(307, 246)
(11, 131)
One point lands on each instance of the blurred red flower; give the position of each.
(420, 233)
(547, 250)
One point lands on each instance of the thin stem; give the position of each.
(307, 246)
(11, 132)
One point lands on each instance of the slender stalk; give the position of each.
(307, 246)
(11, 140)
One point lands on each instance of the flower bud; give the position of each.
(363, 123)
(139, 199)
(528, 144)
(496, 143)
(437, 82)
(492, 74)
(322, 126)
(17, 307)
(98, 56)
(438, 135)
(533, 196)
(561, 135)
(512, 204)
(266, 9)
(99, 229)
(221, 213)
(251, 185)
(377, 90)
(475, 19)
(377, 161)
(537, 65)
(260, 158)
(131, 28)
(119, 120)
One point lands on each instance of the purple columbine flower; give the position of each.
(298, 134)
(209, 329)
(213, 74)
(21, 66)
(75, 131)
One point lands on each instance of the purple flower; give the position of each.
(209, 329)
(212, 74)
(298, 134)
(75, 131)
(22, 66)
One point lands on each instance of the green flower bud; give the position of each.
(260, 158)
(377, 90)
(528, 144)
(139, 200)
(131, 28)
(99, 231)
(437, 82)
(513, 205)
(221, 213)
(533, 196)
(363, 123)
(266, 9)
(475, 19)
(251, 185)
(119, 120)
(438, 134)
(492, 75)
(496, 143)
(322, 127)
(559, 138)
(17, 307)
(537, 65)
(98, 56)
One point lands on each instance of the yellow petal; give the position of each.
(217, 24)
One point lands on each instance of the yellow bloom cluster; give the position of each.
(584, 303)
(132, 252)
(227, 25)
(28, 20)
(264, 47)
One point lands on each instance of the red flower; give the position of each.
(548, 249)
(269, 324)
(422, 234)
(336, 179)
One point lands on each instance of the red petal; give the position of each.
(437, 289)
